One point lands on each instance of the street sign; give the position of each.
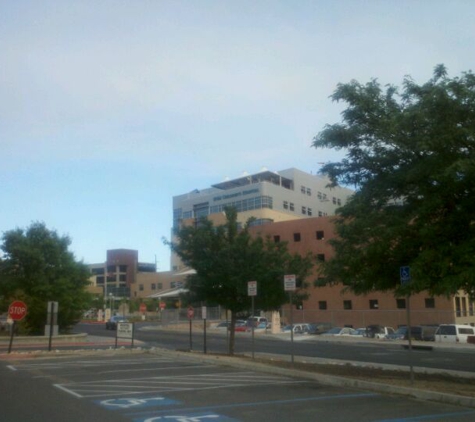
(405, 274)
(289, 282)
(125, 329)
(143, 308)
(190, 312)
(252, 288)
(17, 310)
(203, 312)
(162, 305)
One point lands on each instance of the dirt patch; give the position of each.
(443, 383)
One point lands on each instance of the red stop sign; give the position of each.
(191, 312)
(162, 305)
(17, 310)
(143, 307)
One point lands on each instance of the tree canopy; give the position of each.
(226, 258)
(37, 267)
(410, 155)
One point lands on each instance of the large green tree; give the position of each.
(226, 258)
(37, 267)
(410, 155)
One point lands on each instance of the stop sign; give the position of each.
(143, 307)
(191, 312)
(17, 310)
(162, 305)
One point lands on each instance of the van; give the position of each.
(453, 333)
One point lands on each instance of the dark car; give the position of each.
(112, 323)
(319, 327)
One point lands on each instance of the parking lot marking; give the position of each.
(201, 417)
(438, 416)
(168, 413)
(171, 383)
(128, 403)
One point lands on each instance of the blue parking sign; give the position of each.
(405, 275)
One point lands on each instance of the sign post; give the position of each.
(16, 311)
(203, 315)
(191, 314)
(252, 291)
(289, 286)
(405, 277)
(52, 322)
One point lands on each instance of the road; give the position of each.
(381, 352)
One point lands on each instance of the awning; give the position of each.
(168, 293)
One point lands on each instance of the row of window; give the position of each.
(305, 190)
(153, 286)
(305, 210)
(111, 279)
(374, 304)
(319, 235)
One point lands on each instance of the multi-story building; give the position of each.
(267, 196)
(343, 308)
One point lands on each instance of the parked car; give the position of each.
(297, 328)
(319, 327)
(378, 331)
(112, 323)
(360, 332)
(454, 333)
(418, 332)
(256, 320)
(340, 331)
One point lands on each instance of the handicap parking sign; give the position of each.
(405, 275)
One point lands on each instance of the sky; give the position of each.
(108, 109)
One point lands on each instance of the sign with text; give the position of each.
(17, 310)
(289, 282)
(252, 288)
(125, 330)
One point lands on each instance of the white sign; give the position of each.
(252, 288)
(203, 312)
(125, 329)
(289, 282)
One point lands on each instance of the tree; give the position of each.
(226, 259)
(411, 158)
(37, 267)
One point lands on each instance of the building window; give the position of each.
(154, 286)
(292, 206)
(347, 305)
(100, 280)
(122, 277)
(286, 205)
(309, 191)
(322, 305)
(320, 234)
(276, 238)
(160, 286)
(302, 189)
(430, 302)
(141, 287)
(338, 201)
(321, 257)
(296, 237)
(320, 214)
(309, 211)
(122, 268)
(401, 303)
(334, 200)
(304, 210)
(373, 304)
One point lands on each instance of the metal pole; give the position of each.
(291, 330)
(11, 336)
(204, 333)
(51, 322)
(191, 345)
(252, 328)
(409, 339)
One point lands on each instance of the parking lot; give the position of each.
(151, 387)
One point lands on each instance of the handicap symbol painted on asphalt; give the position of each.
(200, 417)
(129, 403)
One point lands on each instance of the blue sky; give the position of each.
(110, 108)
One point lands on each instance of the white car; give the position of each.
(339, 331)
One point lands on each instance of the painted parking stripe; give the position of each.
(195, 417)
(158, 385)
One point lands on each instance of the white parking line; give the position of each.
(171, 383)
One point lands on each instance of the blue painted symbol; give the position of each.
(135, 403)
(405, 275)
(197, 417)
